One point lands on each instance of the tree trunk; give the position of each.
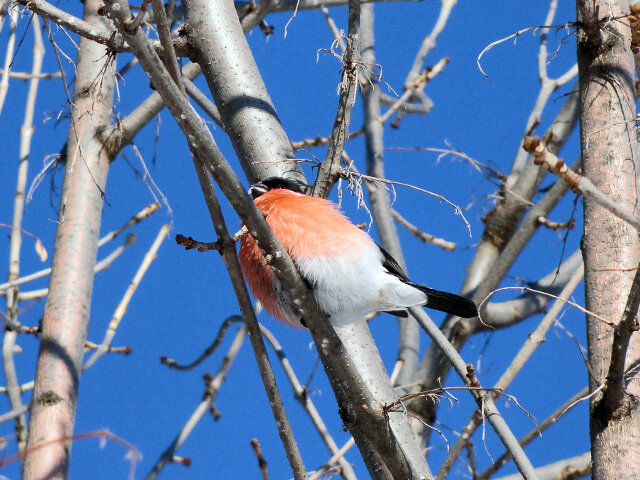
(610, 246)
(66, 314)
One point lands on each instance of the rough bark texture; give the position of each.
(66, 314)
(610, 246)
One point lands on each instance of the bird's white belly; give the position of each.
(357, 283)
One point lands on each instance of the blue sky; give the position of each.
(185, 296)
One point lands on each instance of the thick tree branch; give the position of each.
(238, 90)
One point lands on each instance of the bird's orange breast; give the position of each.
(307, 227)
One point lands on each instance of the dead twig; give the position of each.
(568, 225)
(262, 463)
(578, 183)
(171, 363)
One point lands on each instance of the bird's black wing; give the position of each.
(392, 266)
(438, 300)
(396, 270)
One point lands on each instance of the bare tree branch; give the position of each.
(262, 463)
(230, 258)
(301, 394)
(99, 266)
(8, 56)
(484, 400)
(425, 237)
(238, 90)
(329, 168)
(408, 332)
(10, 335)
(504, 314)
(533, 341)
(615, 393)
(429, 41)
(432, 368)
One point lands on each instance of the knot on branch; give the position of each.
(603, 413)
(500, 224)
(471, 375)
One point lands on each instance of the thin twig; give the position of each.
(479, 166)
(262, 463)
(137, 218)
(100, 266)
(126, 350)
(429, 41)
(516, 35)
(551, 225)
(547, 294)
(347, 175)
(320, 140)
(29, 76)
(211, 391)
(418, 84)
(425, 237)
(171, 363)
(121, 309)
(328, 171)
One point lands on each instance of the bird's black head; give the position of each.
(271, 183)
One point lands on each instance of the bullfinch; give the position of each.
(347, 272)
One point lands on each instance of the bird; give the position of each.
(347, 272)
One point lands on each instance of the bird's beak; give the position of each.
(257, 189)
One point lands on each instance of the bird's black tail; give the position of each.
(449, 303)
